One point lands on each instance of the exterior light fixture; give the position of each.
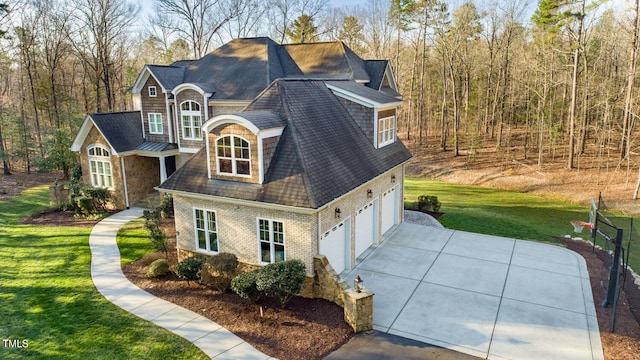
(393, 178)
(369, 194)
(338, 213)
(359, 284)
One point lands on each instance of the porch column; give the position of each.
(163, 169)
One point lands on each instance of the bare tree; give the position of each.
(198, 21)
(100, 36)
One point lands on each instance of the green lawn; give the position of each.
(48, 297)
(133, 241)
(508, 213)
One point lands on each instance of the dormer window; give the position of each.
(386, 130)
(152, 91)
(234, 156)
(191, 120)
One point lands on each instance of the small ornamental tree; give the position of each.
(282, 280)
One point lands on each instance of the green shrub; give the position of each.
(166, 206)
(282, 280)
(152, 223)
(189, 268)
(219, 270)
(158, 268)
(88, 200)
(245, 285)
(148, 258)
(428, 203)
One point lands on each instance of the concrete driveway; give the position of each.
(482, 295)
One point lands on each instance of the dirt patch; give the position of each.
(305, 329)
(18, 181)
(624, 342)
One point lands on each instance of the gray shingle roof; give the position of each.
(376, 69)
(325, 60)
(321, 155)
(122, 130)
(238, 70)
(364, 91)
(168, 76)
(263, 119)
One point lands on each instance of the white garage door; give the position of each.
(333, 245)
(389, 208)
(365, 227)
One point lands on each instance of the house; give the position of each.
(270, 151)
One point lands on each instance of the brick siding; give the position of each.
(237, 229)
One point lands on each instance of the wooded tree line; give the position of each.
(552, 85)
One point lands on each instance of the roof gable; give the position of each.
(122, 130)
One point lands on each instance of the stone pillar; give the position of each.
(58, 193)
(358, 310)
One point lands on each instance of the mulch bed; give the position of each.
(61, 218)
(624, 342)
(305, 329)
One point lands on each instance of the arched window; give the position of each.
(191, 120)
(100, 166)
(234, 156)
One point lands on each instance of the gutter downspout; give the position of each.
(124, 182)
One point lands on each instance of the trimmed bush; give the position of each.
(148, 258)
(245, 285)
(428, 203)
(189, 268)
(158, 268)
(219, 270)
(282, 280)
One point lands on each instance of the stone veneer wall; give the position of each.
(143, 173)
(117, 193)
(238, 226)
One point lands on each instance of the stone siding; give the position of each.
(352, 202)
(237, 230)
(358, 310)
(238, 130)
(143, 174)
(156, 104)
(117, 192)
(181, 97)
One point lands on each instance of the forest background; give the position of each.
(545, 86)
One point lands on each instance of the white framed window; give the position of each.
(191, 120)
(386, 130)
(155, 123)
(152, 91)
(234, 156)
(271, 241)
(100, 167)
(206, 230)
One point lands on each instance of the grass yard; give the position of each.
(49, 300)
(133, 241)
(508, 213)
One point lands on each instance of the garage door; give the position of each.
(333, 245)
(365, 227)
(389, 208)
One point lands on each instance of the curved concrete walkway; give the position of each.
(214, 340)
